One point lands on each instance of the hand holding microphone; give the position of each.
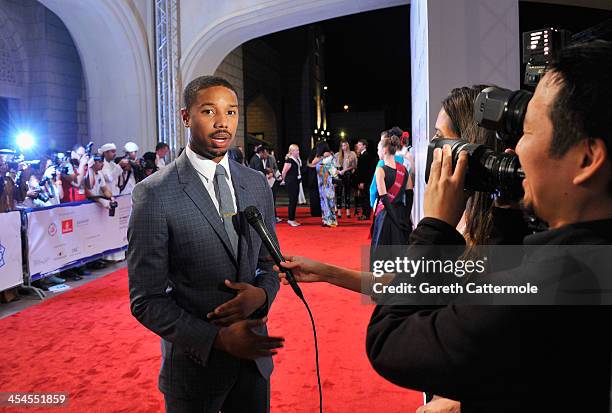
(304, 270)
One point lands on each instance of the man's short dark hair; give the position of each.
(161, 145)
(582, 106)
(261, 148)
(363, 142)
(203, 82)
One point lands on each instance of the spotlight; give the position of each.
(324, 87)
(346, 107)
(342, 134)
(25, 140)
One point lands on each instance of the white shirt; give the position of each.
(131, 183)
(111, 172)
(159, 162)
(206, 170)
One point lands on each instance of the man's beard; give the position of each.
(208, 153)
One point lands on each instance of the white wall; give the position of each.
(113, 44)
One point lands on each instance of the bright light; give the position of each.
(345, 107)
(327, 133)
(25, 140)
(324, 87)
(342, 134)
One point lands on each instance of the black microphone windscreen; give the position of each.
(252, 214)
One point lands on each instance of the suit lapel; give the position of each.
(243, 200)
(193, 187)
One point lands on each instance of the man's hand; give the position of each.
(304, 270)
(440, 405)
(249, 299)
(361, 185)
(444, 195)
(239, 340)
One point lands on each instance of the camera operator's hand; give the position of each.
(239, 340)
(444, 195)
(304, 270)
(248, 300)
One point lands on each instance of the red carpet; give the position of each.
(86, 343)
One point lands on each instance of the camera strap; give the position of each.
(122, 186)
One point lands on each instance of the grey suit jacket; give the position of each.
(178, 258)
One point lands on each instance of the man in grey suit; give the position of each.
(199, 276)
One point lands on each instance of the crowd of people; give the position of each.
(76, 175)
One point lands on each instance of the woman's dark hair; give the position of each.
(392, 143)
(459, 105)
(322, 147)
(395, 131)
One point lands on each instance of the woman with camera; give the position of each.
(483, 222)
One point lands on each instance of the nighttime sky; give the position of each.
(367, 63)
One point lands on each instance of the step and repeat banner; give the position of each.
(11, 270)
(68, 234)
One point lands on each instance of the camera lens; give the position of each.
(487, 171)
(502, 110)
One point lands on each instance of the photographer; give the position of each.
(520, 358)
(95, 183)
(127, 180)
(110, 170)
(136, 163)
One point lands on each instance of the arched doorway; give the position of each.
(111, 39)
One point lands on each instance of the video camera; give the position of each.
(503, 111)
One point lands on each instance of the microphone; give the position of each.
(255, 219)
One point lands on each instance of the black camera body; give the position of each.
(487, 171)
(112, 207)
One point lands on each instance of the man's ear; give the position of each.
(593, 156)
(186, 118)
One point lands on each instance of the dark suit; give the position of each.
(178, 257)
(257, 164)
(500, 358)
(366, 165)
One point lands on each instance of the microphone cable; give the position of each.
(316, 343)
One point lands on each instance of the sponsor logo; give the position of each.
(2, 249)
(52, 230)
(67, 226)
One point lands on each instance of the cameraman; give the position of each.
(131, 154)
(95, 182)
(520, 358)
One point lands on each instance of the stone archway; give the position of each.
(111, 39)
(207, 43)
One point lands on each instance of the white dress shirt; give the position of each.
(160, 162)
(206, 170)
